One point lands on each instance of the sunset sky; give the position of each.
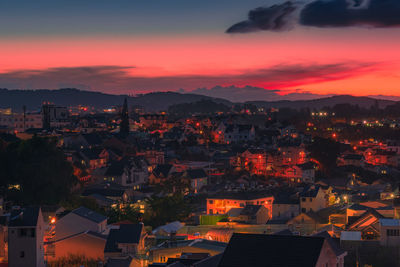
(136, 46)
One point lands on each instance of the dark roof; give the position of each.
(107, 190)
(286, 232)
(307, 166)
(353, 157)
(93, 138)
(271, 250)
(119, 262)
(89, 214)
(127, 234)
(24, 217)
(196, 173)
(212, 261)
(334, 243)
(89, 153)
(310, 191)
(116, 168)
(243, 195)
(250, 210)
(163, 169)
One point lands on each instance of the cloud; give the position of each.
(322, 13)
(343, 13)
(250, 93)
(273, 18)
(122, 79)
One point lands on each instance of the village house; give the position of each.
(25, 238)
(126, 241)
(279, 250)
(312, 198)
(222, 204)
(79, 220)
(174, 249)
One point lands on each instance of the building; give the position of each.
(87, 243)
(389, 232)
(198, 179)
(127, 240)
(313, 199)
(174, 249)
(54, 116)
(25, 238)
(80, 220)
(254, 214)
(222, 204)
(278, 250)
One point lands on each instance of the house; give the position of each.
(351, 160)
(128, 172)
(173, 249)
(367, 224)
(389, 232)
(307, 172)
(25, 238)
(127, 240)
(285, 207)
(254, 214)
(253, 160)
(108, 193)
(198, 179)
(92, 159)
(160, 173)
(278, 250)
(239, 133)
(80, 220)
(312, 198)
(168, 229)
(219, 234)
(88, 243)
(223, 203)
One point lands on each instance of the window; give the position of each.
(23, 232)
(303, 210)
(393, 232)
(303, 199)
(210, 201)
(22, 254)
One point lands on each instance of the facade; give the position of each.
(389, 232)
(80, 220)
(25, 238)
(221, 205)
(313, 199)
(20, 122)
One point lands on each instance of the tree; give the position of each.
(124, 125)
(35, 171)
(124, 213)
(163, 210)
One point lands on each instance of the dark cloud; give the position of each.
(250, 93)
(273, 18)
(122, 79)
(343, 13)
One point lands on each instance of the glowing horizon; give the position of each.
(320, 61)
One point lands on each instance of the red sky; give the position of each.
(358, 61)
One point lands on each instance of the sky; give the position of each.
(307, 48)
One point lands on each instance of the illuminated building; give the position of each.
(222, 204)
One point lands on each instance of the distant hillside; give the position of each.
(364, 102)
(33, 99)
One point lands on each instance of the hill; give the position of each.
(33, 99)
(364, 102)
